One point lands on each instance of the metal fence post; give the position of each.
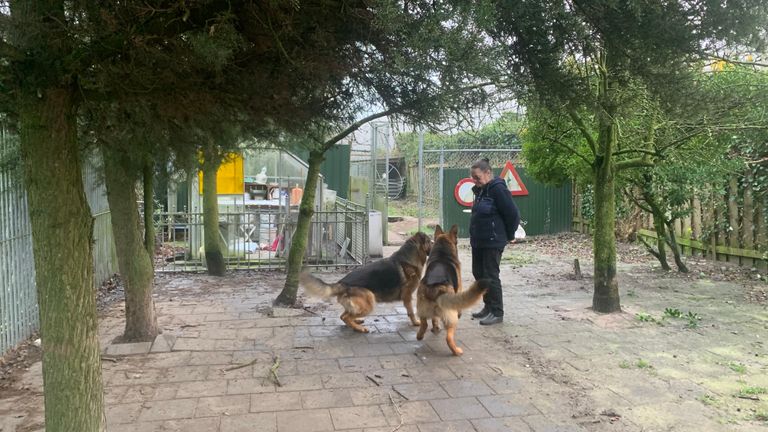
(421, 175)
(442, 179)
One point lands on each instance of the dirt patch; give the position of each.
(109, 293)
(17, 362)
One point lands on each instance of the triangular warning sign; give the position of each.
(514, 184)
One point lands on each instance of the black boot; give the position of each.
(478, 315)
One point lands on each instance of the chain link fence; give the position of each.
(435, 161)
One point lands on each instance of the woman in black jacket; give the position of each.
(493, 224)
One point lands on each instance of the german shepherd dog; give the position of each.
(387, 280)
(440, 294)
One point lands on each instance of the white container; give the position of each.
(375, 237)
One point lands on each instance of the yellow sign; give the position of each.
(229, 177)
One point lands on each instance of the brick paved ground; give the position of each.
(552, 366)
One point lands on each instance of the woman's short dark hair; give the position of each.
(482, 164)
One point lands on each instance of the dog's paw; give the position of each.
(458, 351)
(359, 321)
(363, 330)
(436, 330)
(416, 323)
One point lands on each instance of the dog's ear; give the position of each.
(454, 233)
(438, 230)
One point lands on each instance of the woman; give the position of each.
(493, 224)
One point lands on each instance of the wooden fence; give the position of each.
(730, 228)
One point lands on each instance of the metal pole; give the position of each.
(372, 176)
(421, 175)
(385, 213)
(442, 179)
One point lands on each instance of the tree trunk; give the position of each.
(149, 210)
(661, 235)
(606, 295)
(658, 221)
(681, 267)
(214, 257)
(132, 257)
(300, 237)
(62, 232)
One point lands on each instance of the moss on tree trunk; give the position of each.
(62, 242)
(301, 236)
(133, 259)
(214, 257)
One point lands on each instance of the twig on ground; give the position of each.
(306, 308)
(496, 369)
(399, 414)
(755, 398)
(108, 358)
(401, 395)
(273, 371)
(303, 347)
(189, 325)
(373, 380)
(240, 366)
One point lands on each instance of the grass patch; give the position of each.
(625, 364)
(737, 367)
(517, 259)
(642, 364)
(631, 293)
(753, 391)
(708, 400)
(673, 312)
(425, 229)
(761, 416)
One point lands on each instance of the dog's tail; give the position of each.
(316, 287)
(466, 298)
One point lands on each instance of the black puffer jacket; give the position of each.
(494, 216)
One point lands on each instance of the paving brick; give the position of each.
(345, 380)
(304, 421)
(412, 412)
(262, 422)
(358, 417)
(223, 405)
(123, 413)
(192, 425)
(508, 405)
(541, 423)
(466, 387)
(163, 343)
(199, 358)
(421, 391)
(453, 426)
(249, 386)
(167, 410)
(144, 393)
(201, 389)
(371, 350)
(430, 374)
(334, 398)
(317, 366)
(156, 426)
(129, 348)
(359, 364)
(267, 402)
(186, 373)
(400, 361)
(459, 409)
(189, 344)
(505, 424)
(300, 382)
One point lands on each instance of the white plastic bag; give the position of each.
(520, 233)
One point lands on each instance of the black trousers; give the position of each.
(485, 265)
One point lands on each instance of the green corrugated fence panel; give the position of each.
(546, 209)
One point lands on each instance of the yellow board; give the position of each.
(229, 177)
